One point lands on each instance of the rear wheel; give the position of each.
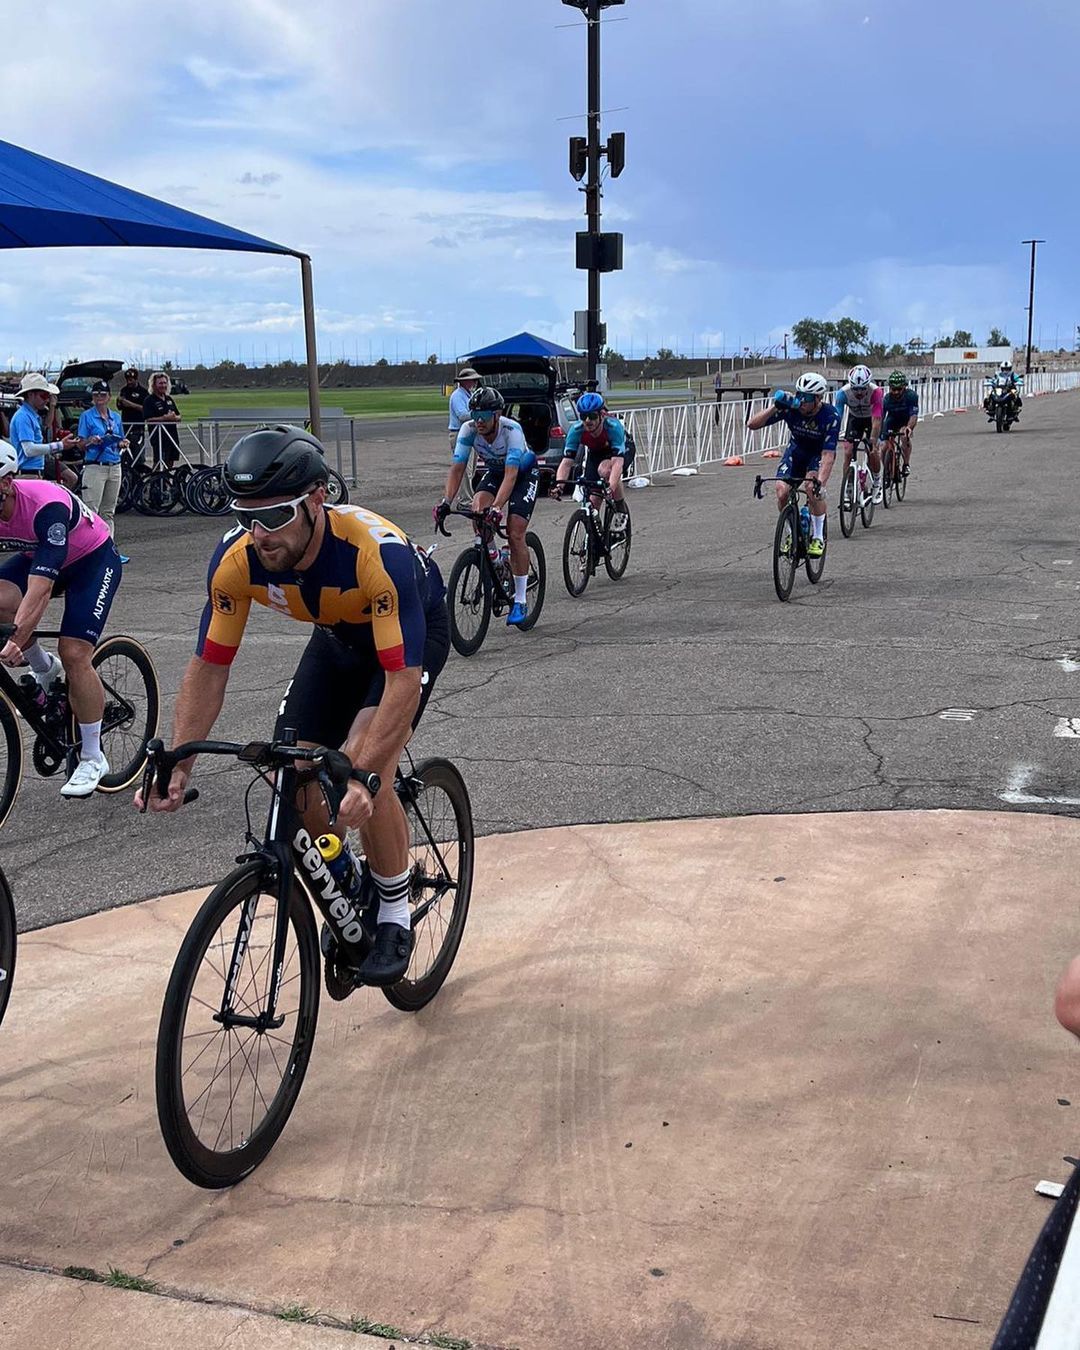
(469, 597)
(848, 501)
(618, 537)
(132, 707)
(786, 550)
(536, 585)
(575, 554)
(11, 757)
(7, 943)
(225, 1091)
(437, 807)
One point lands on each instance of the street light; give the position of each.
(1031, 299)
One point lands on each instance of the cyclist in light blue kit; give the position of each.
(510, 480)
(811, 452)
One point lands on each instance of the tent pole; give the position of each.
(309, 341)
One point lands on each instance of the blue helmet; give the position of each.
(590, 403)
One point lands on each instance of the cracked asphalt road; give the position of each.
(686, 689)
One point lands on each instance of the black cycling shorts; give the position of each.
(88, 588)
(522, 499)
(856, 427)
(333, 682)
(590, 470)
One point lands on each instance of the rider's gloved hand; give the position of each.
(440, 511)
(557, 490)
(493, 516)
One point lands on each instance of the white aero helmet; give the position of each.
(859, 377)
(812, 385)
(9, 460)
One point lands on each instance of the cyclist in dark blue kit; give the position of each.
(811, 452)
(899, 415)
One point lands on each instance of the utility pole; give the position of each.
(1031, 299)
(596, 252)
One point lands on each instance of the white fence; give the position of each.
(687, 435)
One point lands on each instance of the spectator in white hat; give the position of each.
(27, 435)
(467, 381)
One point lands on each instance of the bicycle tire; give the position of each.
(901, 480)
(867, 509)
(576, 547)
(436, 939)
(124, 728)
(213, 496)
(615, 562)
(11, 747)
(207, 1164)
(536, 586)
(153, 494)
(8, 943)
(886, 478)
(786, 550)
(193, 489)
(848, 495)
(468, 592)
(815, 566)
(337, 490)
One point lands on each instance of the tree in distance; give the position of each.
(997, 339)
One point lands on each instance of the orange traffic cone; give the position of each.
(733, 461)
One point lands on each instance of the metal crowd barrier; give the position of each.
(209, 441)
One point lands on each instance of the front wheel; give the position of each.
(815, 566)
(7, 943)
(576, 551)
(132, 708)
(617, 538)
(440, 820)
(867, 508)
(536, 584)
(786, 551)
(227, 1077)
(849, 502)
(887, 474)
(901, 476)
(468, 593)
(11, 757)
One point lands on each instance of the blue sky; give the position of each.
(784, 158)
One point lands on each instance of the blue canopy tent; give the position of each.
(523, 344)
(45, 204)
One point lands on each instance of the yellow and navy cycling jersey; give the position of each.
(369, 586)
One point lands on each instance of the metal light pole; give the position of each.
(596, 252)
(1031, 300)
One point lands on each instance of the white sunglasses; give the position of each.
(271, 518)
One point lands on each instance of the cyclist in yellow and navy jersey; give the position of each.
(381, 638)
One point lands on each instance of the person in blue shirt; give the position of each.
(899, 415)
(101, 432)
(26, 434)
(811, 453)
(467, 381)
(510, 479)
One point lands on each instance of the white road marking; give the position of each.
(957, 714)
(1068, 665)
(1067, 726)
(1063, 562)
(1019, 777)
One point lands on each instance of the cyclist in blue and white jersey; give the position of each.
(604, 438)
(811, 452)
(862, 399)
(509, 481)
(900, 414)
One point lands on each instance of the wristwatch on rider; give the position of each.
(371, 781)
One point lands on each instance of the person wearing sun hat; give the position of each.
(26, 433)
(467, 380)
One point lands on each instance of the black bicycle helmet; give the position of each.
(274, 462)
(486, 399)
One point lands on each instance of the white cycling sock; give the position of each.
(817, 524)
(90, 734)
(40, 660)
(520, 587)
(393, 899)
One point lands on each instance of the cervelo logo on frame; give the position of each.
(341, 911)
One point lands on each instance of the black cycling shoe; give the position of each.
(388, 960)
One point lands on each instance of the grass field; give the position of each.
(356, 402)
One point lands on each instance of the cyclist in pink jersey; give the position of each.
(57, 546)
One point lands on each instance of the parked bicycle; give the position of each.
(238, 1020)
(130, 718)
(481, 583)
(593, 536)
(857, 490)
(8, 935)
(893, 472)
(793, 534)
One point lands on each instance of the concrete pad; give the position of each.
(39, 1311)
(756, 1082)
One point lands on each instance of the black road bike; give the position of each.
(8, 931)
(238, 1021)
(481, 583)
(132, 706)
(593, 535)
(893, 471)
(792, 538)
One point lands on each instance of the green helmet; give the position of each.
(898, 380)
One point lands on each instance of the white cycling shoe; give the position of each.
(84, 781)
(52, 674)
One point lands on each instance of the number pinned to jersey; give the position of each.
(384, 604)
(57, 534)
